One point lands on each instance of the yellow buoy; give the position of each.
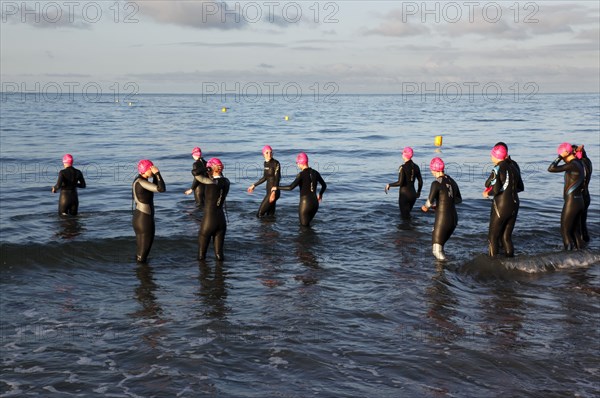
(286, 118)
(223, 109)
(438, 140)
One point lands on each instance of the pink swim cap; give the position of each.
(436, 164)
(499, 152)
(215, 163)
(68, 159)
(267, 148)
(407, 152)
(144, 165)
(302, 158)
(564, 147)
(197, 152)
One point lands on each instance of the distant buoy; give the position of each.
(223, 109)
(438, 140)
(131, 103)
(286, 118)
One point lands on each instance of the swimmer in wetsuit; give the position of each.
(272, 175)
(572, 211)
(445, 193)
(198, 169)
(504, 183)
(587, 168)
(407, 174)
(307, 179)
(69, 179)
(214, 222)
(143, 215)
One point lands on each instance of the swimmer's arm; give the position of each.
(323, 185)
(420, 181)
(205, 180)
(80, 180)
(555, 168)
(291, 186)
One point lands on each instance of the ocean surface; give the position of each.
(355, 306)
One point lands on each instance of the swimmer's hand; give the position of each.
(189, 191)
(387, 188)
(424, 208)
(320, 197)
(250, 188)
(53, 190)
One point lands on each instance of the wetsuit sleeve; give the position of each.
(555, 168)
(80, 180)
(419, 179)
(498, 180)
(457, 195)
(262, 179)
(323, 184)
(277, 173)
(59, 182)
(491, 178)
(400, 178)
(292, 185)
(158, 185)
(433, 193)
(204, 180)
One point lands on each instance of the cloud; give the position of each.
(216, 14)
(394, 26)
(228, 44)
(492, 20)
(34, 15)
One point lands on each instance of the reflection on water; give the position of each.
(145, 293)
(212, 290)
(442, 308)
(69, 227)
(307, 242)
(503, 316)
(151, 309)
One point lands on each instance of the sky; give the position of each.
(281, 47)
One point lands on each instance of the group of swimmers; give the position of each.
(210, 190)
(504, 185)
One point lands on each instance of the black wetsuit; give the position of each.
(520, 187)
(446, 194)
(199, 169)
(407, 174)
(506, 182)
(572, 212)
(272, 175)
(587, 167)
(309, 203)
(69, 179)
(214, 223)
(143, 215)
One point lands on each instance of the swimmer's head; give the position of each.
(565, 147)
(436, 164)
(215, 164)
(267, 148)
(68, 159)
(302, 158)
(407, 152)
(144, 165)
(499, 152)
(197, 152)
(503, 144)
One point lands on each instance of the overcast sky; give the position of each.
(346, 46)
